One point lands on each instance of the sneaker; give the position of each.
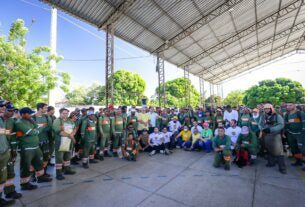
(101, 158)
(43, 179)
(6, 202)
(161, 151)
(178, 147)
(283, 171)
(93, 161)
(167, 152)
(60, 177)
(13, 195)
(152, 153)
(85, 165)
(28, 186)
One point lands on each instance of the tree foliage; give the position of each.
(275, 91)
(217, 101)
(175, 93)
(234, 98)
(25, 77)
(128, 90)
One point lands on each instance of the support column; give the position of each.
(187, 87)
(202, 92)
(109, 68)
(161, 81)
(53, 42)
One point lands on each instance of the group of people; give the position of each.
(88, 136)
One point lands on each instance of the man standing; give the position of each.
(117, 126)
(229, 114)
(271, 125)
(222, 148)
(4, 155)
(295, 132)
(143, 120)
(104, 124)
(64, 129)
(88, 134)
(153, 116)
(133, 119)
(44, 127)
(31, 155)
(9, 188)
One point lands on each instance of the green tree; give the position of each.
(175, 93)
(217, 101)
(234, 98)
(26, 77)
(274, 91)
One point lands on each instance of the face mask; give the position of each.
(175, 121)
(255, 116)
(185, 130)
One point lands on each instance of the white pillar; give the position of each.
(53, 41)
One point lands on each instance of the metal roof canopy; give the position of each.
(213, 39)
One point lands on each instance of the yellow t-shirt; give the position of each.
(195, 137)
(186, 135)
(145, 118)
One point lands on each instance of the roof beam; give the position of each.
(252, 48)
(117, 14)
(267, 54)
(263, 22)
(275, 26)
(198, 24)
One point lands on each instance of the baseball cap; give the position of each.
(26, 110)
(3, 103)
(90, 113)
(205, 124)
(10, 107)
(244, 130)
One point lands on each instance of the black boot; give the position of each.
(270, 161)
(43, 179)
(74, 161)
(298, 162)
(59, 175)
(93, 161)
(85, 165)
(13, 195)
(282, 166)
(68, 171)
(6, 202)
(28, 186)
(97, 155)
(45, 172)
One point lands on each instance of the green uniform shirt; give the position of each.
(44, 127)
(10, 125)
(217, 142)
(163, 121)
(219, 122)
(254, 124)
(104, 124)
(27, 133)
(117, 124)
(250, 141)
(245, 120)
(133, 120)
(60, 125)
(295, 122)
(88, 130)
(4, 146)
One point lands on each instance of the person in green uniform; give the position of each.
(245, 118)
(130, 149)
(218, 119)
(31, 155)
(208, 119)
(50, 113)
(163, 120)
(254, 128)
(64, 130)
(222, 148)
(44, 127)
(104, 124)
(271, 125)
(117, 128)
(295, 132)
(133, 119)
(4, 154)
(9, 188)
(247, 141)
(88, 133)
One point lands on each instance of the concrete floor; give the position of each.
(181, 179)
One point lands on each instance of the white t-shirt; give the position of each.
(155, 139)
(230, 115)
(173, 127)
(199, 128)
(233, 133)
(167, 136)
(153, 118)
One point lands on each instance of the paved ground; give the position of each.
(181, 179)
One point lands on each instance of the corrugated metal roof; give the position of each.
(212, 38)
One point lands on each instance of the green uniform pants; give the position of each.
(4, 158)
(296, 144)
(117, 140)
(104, 141)
(222, 158)
(89, 148)
(31, 160)
(9, 184)
(45, 149)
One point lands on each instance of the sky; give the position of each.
(83, 48)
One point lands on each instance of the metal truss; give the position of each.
(161, 81)
(197, 25)
(187, 87)
(117, 13)
(256, 61)
(261, 23)
(255, 47)
(202, 92)
(109, 65)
